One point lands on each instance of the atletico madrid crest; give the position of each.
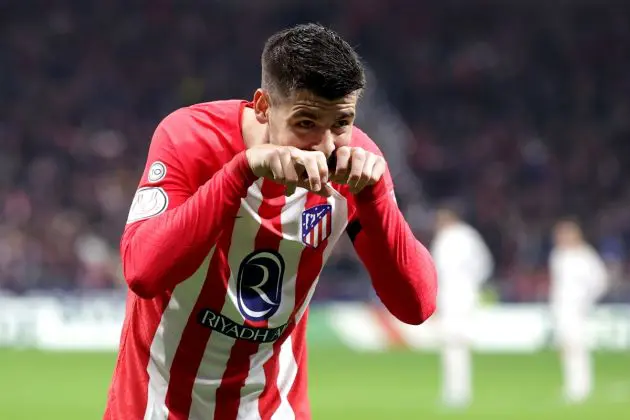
(316, 225)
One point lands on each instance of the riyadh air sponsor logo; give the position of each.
(316, 225)
(148, 202)
(220, 323)
(259, 285)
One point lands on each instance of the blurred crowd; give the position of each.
(520, 113)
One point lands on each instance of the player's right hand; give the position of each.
(290, 166)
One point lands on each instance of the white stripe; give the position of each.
(291, 249)
(219, 346)
(167, 340)
(286, 376)
(254, 384)
(209, 374)
(339, 221)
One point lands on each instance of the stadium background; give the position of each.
(517, 112)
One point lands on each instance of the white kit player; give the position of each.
(578, 281)
(463, 264)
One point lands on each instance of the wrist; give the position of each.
(243, 168)
(373, 193)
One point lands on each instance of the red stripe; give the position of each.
(195, 337)
(128, 393)
(269, 400)
(308, 268)
(310, 263)
(320, 230)
(298, 394)
(237, 369)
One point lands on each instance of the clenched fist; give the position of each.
(290, 166)
(356, 167)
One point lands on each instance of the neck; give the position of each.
(254, 133)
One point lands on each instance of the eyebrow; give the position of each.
(346, 114)
(303, 113)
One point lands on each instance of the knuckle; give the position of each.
(358, 152)
(344, 150)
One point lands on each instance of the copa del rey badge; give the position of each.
(316, 225)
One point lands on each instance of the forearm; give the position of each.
(401, 268)
(161, 252)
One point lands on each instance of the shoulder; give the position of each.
(459, 231)
(361, 139)
(565, 258)
(591, 253)
(469, 232)
(203, 125)
(450, 236)
(201, 137)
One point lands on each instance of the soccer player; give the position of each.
(463, 264)
(578, 280)
(236, 213)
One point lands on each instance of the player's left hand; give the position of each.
(356, 167)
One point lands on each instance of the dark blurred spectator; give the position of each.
(521, 111)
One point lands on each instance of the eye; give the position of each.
(306, 124)
(341, 123)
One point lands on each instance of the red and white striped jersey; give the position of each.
(221, 268)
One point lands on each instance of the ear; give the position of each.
(262, 103)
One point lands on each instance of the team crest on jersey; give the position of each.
(316, 225)
(259, 284)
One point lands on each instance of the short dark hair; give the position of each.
(314, 58)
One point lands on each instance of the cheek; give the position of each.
(343, 139)
(295, 138)
(277, 134)
(285, 137)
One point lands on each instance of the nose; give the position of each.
(326, 144)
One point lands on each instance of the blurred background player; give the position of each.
(463, 263)
(578, 281)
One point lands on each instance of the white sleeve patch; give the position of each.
(157, 172)
(148, 202)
